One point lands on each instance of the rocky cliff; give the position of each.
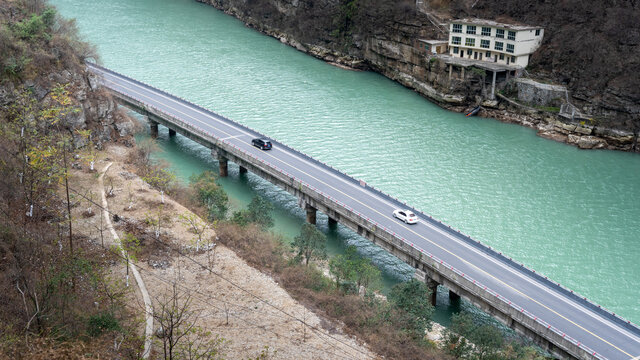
(40, 52)
(583, 49)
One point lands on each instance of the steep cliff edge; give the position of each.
(41, 52)
(586, 48)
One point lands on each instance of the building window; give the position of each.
(457, 28)
(501, 56)
(470, 42)
(537, 32)
(488, 54)
(469, 52)
(510, 48)
(500, 33)
(456, 49)
(498, 46)
(471, 29)
(513, 59)
(486, 31)
(511, 35)
(484, 44)
(456, 40)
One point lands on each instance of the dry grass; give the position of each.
(374, 322)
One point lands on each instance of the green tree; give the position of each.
(367, 274)
(161, 179)
(341, 269)
(488, 341)
(354, 268)
(455, 343)
(309, 244)
(210, 194)
(240, 218)
(413, 297)
(259, 212)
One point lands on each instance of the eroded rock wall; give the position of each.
(382, 36)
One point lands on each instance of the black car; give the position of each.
(264, 144)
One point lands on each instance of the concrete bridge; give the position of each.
(560, 321)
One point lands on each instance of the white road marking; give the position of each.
(373, 195)
(233, 137)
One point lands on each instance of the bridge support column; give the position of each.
(154, 128)
(333, 223)
(453, 296)
(433, 289)
(172, 132)
(224, 170)
(493, 87)
(243, 170)
(311, 214)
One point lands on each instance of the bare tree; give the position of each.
(196, 226)
(180, 336)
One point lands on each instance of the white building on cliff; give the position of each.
(486, 40)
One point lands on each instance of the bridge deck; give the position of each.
(594, 329)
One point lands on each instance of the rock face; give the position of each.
(95, 109)
(383, 36)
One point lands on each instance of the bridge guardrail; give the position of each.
(476, 243)
(434, 258)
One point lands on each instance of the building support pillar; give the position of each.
(243, 170)
(333, 223)
(154, 128)
(462, 72)
(450, 73)
(433, 289)
(172, 132)
(311, 214)
(224, 169)
(493, 87)
(508, 73)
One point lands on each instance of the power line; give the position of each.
(302, 321)
(225, 279)
(204, 298)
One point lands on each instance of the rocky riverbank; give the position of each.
(367, 35)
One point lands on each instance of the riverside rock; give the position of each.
(384, 37)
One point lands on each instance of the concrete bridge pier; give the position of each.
(154, 128)
(433, 289)
(172, 132)
(243, 170)
(224, 166)
(311, 214)
(333, 223)
(453, 297)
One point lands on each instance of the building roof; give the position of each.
(512, 26)
(434, 42)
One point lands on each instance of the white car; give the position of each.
(406, 215)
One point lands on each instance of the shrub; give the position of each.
(101, 323)
(413, 297)
(259, 212)
(210, 195)
(309, 244)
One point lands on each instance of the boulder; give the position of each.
(125, 127)
(587, 142)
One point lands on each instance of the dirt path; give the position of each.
(234, 301)
(148, 332)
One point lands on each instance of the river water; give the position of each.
(572, 215)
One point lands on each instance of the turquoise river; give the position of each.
(572, 215)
